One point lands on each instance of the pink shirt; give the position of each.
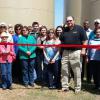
(4, 56)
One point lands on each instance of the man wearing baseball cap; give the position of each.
(96, 26)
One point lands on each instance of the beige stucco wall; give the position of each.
(94, 10)
(27, 11)
(90, 10)
(73, 8)
(83, 9)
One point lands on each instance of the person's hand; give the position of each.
(41, 47)
(83, 52)
(52, 61)
(28, 53)
(5, 52)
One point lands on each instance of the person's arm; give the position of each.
(44, 52)
(0, 50)
(45, 55)
(39, 42)
(89, 51)
(33, 48)
(83, 51)
(11, 38)
(12, 52)
(84, 40)
(21, 48)
(57, 53)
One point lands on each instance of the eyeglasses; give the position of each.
(4, 37)
(59, 30)
(18, 29)
(96, 23)
(51, 32)
(2, 26)
(98, 32)
(24, 30)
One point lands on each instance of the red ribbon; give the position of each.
(60, 45)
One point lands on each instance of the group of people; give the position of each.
(49, 65)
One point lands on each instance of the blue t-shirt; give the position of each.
(51, 51)
(94, 54)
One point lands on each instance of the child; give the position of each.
(7, 55)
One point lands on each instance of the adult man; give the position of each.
(86, 26)
(88, 30)
(35, 32)
(73, 34)
(96, 26)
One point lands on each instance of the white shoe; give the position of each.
(65, 89)
(77, 91)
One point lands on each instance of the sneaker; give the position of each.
(52, 87)
(65, 89)
(97, 88)
(10, 88)
(26, 85)
(77, 91)
(32, 85)
(4, 88)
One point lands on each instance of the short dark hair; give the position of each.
(35, 23)
(86, 21)
(18, 25)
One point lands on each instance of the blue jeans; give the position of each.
(39, 71)
(54, 74)
(35, 75)
(6, 74)
(28, 70)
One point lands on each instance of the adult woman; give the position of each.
(51, 60)
(27, 56)
(94, 59)
(3, 28)
(17, 69)
(59, 31)
(40, 56)
(7, 55)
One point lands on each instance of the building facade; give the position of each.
(82, 9)
(27, 11)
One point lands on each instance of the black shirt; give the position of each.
(75, 36)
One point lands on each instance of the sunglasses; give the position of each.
(18, 29)
(2, 26)
(96, 23)
(24, 30)
(4, 37)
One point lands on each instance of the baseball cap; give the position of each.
(4, 34)
(97, 21)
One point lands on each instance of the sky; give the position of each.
(59, 12)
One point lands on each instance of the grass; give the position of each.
(38, 93)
